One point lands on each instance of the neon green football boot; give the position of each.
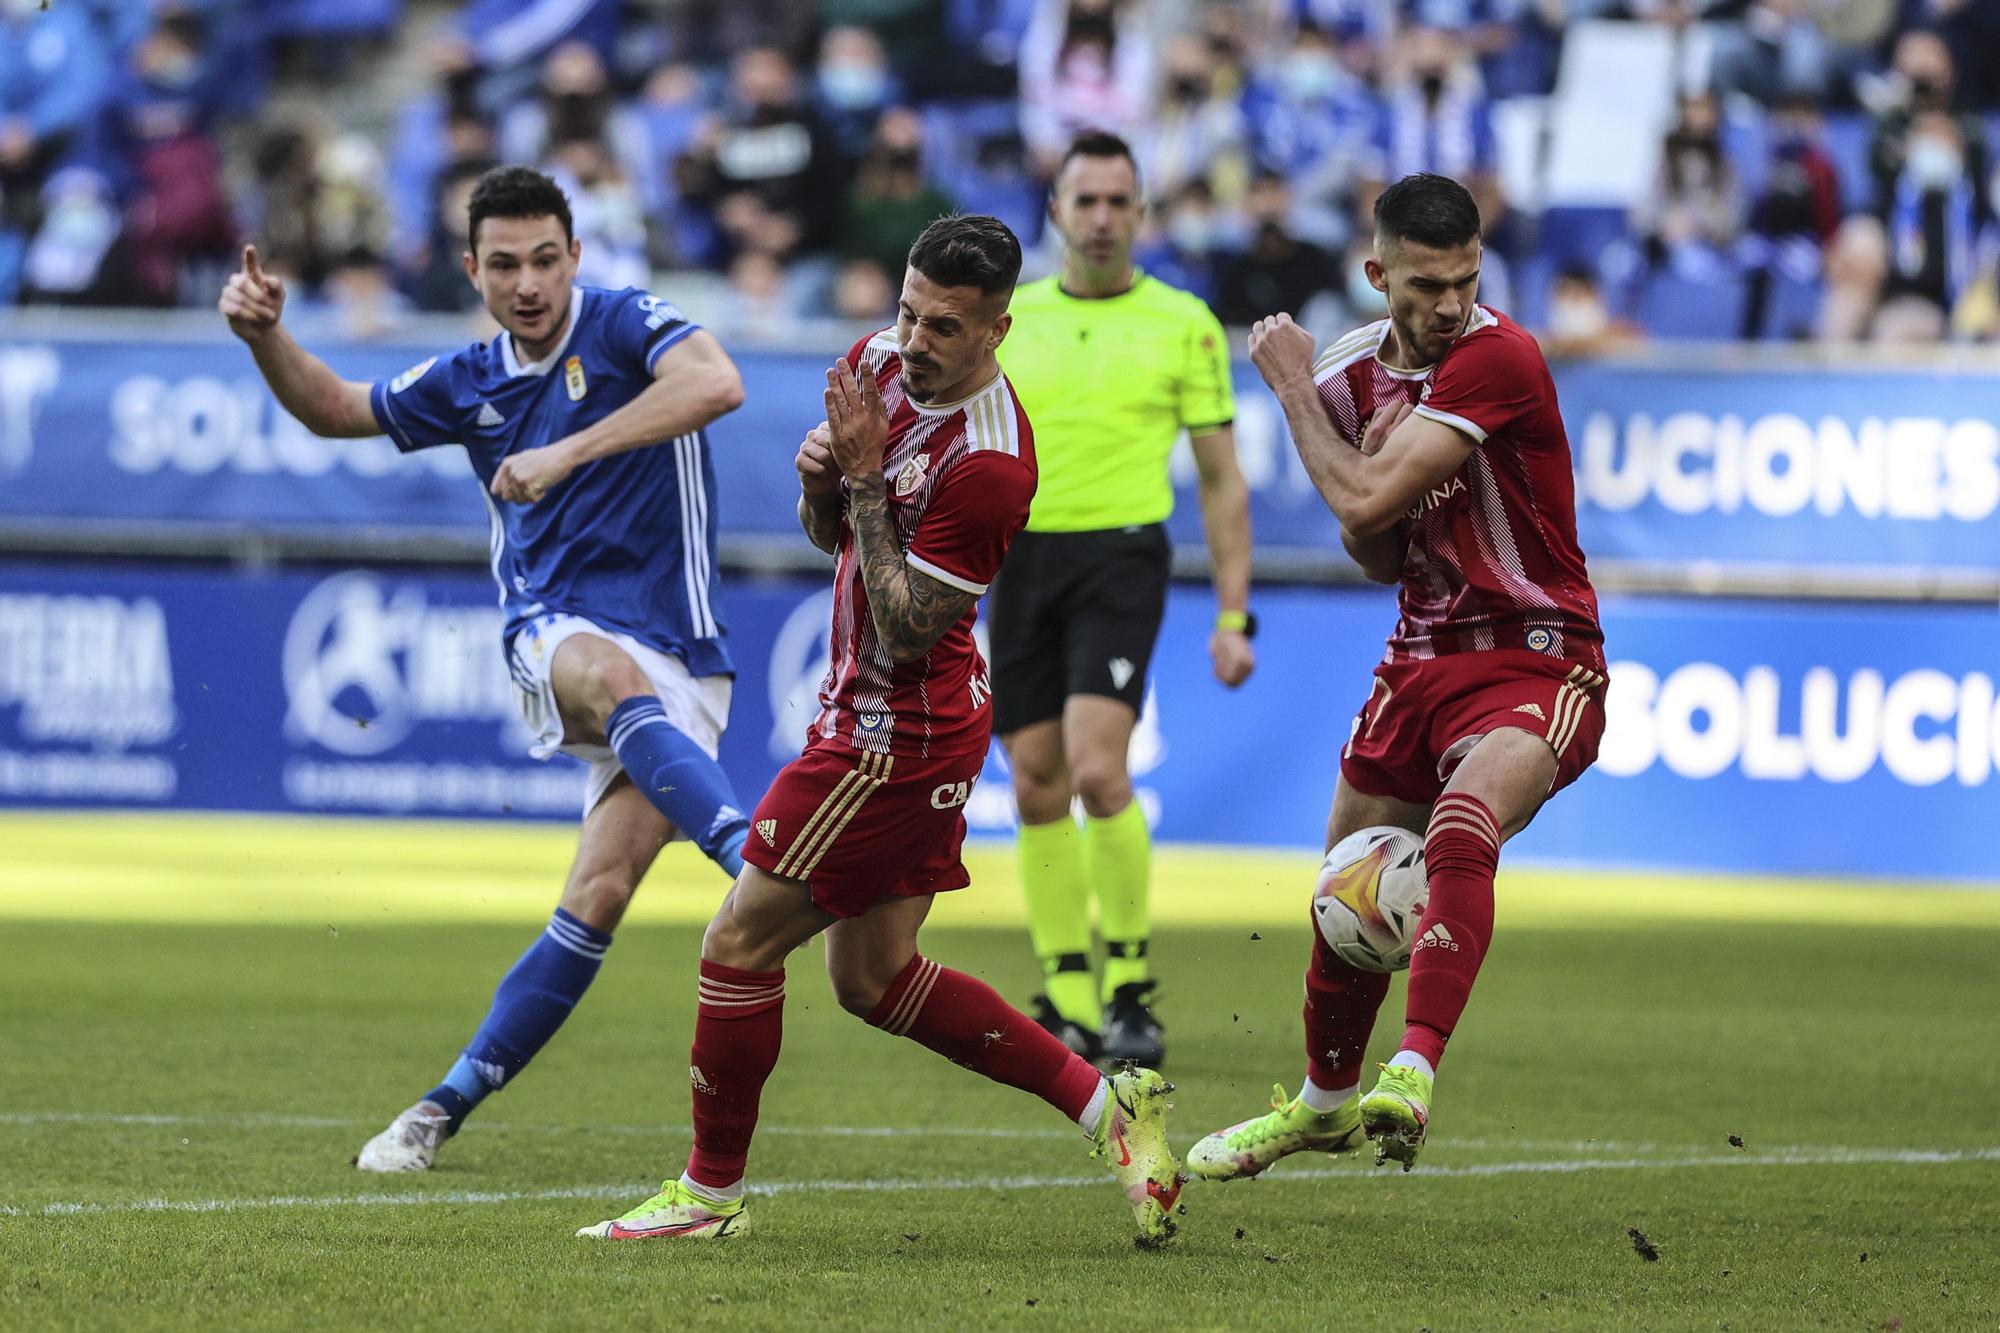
(1244, 1150)
(675, 1213)
(1396, 1114)
(1132, 1134)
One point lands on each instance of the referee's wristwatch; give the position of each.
(1237, 622)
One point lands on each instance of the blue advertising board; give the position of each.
(1822, 469)
(1743, 737)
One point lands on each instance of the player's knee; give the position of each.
(609, 681)
(1040, 797)
(599, 898)
(858, 990)
(1104, 785)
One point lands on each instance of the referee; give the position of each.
(1111, 365)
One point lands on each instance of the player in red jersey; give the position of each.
(1435, 438)
(918, 479)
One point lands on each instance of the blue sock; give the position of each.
(533, 1000)
(679, 778)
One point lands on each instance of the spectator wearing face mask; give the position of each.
(891, 202)
(1313, 122)
(1197, 134)
(1580, 322)
(1696, 208)
(1898, 273)
(1085, 64)
(852, 87)
(1189, 246)
(160, 119)
(576, 103)
(1277, 271)
(606, 214)
(54, 73)
(768, 142)
(1436, 118)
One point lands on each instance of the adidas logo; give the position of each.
(1533, 710)
(1121, 672)
(1437, 937)
(700, 1083)
(489, 416)
(767, 829)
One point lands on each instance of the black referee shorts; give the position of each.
(1075, 613)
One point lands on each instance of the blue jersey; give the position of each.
(627, 541)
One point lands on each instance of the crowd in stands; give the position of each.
(1822, 165)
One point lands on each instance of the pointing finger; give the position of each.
(250, 265)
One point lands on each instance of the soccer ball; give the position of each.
(1370, 896)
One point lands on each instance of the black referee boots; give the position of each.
(1131, 1033)
(1074, 1035)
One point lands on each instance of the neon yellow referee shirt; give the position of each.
(1109, 384)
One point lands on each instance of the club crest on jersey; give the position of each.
(912, 475)
(573, 379)
(410, 376)
(1540, 640)
(869, 721)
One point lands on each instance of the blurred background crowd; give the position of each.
(1649, 169)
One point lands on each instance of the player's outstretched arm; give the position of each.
(911, 609)
(1368, 494)
(694, 382)
(253, 302)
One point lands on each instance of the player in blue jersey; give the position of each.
(584, 419)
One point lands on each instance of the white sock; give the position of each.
(1094, 1112)
(1321, 1100)
(709, 1193)
(1411, 1060)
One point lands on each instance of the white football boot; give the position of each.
(410, 1143)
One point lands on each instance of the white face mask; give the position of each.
(1192, 232)
(1934, 164)
(1577, 317)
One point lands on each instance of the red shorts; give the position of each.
(1423, 717)
(859, 828)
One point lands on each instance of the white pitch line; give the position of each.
(1830, 1157)
(264, 1120)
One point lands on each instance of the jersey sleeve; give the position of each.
(1485, 386)
(1336, 395)
(641, 327)
(416, 409)
(1208, 395)
(963, 535)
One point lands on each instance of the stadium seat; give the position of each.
(1848, 134)
(1575, 235)
(334, 18)
(1679, 306)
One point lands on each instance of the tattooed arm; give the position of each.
(912, 610)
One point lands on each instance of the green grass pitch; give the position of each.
(202, 1018)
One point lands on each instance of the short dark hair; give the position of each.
(517, 192)
(1097, 143)
(1431, 210)
(969, 250)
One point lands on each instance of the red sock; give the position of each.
(1461, 853)
(965, 1020)
(737, 1028)
(1341, 1003)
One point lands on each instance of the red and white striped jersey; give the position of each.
(1493, 559)
(961, 476)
